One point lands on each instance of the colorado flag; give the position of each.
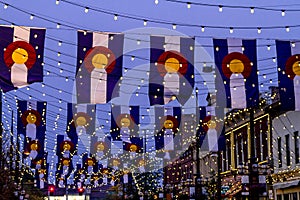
(288, 59)
(21, 56)
(171, 69)
(99, 66)
(236, 78)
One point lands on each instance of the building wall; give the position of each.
(286, 131)
(284, 127)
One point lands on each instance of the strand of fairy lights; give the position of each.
(145, 21)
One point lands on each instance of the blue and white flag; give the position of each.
(236, 79)
(99, 66)
(288, 59)
(21, 56)
(171, 69)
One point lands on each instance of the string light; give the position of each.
(189, 25)
(58, 25)
(115, 17)
(287, 29)
(293, 44)
(174, 26)
(145, 22)
(220, 8)
(231, 30)
(259, 30)
(269, 47)
(282, 13)
(31, 17)
(188, 4)
(5, 6)
(57, 2)
(59, 43)
(156, 2)
(202, 28)
(86, 10)
(252, 10)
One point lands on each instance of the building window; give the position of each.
(279, 152)
(296, 147)
(294, 196)
(288, 153)
(279, 197)
(286, 197)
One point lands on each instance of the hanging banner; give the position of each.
(288, 59)
(167, 121)
(31, 120)
(99, 66)
(171, 69)
(236, 78)
(81, 125)
(211, 129)
(21, 56)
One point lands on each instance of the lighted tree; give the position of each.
(148, 183)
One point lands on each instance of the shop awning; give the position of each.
(286, 184)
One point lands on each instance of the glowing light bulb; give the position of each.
(282, 13)
(145, 22)
(252, 10)
(231, 30)
(86, 10)
(174, 26)
(202, 28)
(116, 17)
(188, 5)
(293, 44)
(220, 8)
(258, 30)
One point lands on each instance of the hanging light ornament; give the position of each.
(188, 5)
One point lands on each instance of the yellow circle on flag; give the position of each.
(31, 118)
(81, 121)
(66, 162)
(115, 162)
(125, 122)
(100, 61)
(90, 162)
(236, 66)
(296, 68)
(100, 147)
(172, 65)
(142, 162)
(211, 124)
(168, 124)
(67, 146)
(133, 148)
(19, 56)
(34, 146)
